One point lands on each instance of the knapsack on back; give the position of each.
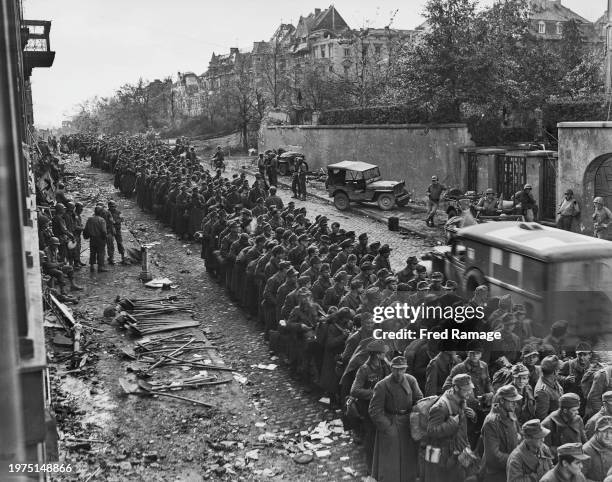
(419, 417)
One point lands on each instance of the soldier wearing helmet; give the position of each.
(602, 217)
(569, 211)
(488, 204)
(525, 203)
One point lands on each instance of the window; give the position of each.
(322, 51)
(559, 28)
(541, 27)
(377, 49)
(329, 51)
(347, 52)
(331, 68)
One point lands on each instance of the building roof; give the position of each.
(328, 19)
(554, 11)
(538, 241)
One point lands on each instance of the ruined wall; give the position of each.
(410, 152)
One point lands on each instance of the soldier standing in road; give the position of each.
(568, 212)
(301, 176)
(395, 453)
(602, 217)
(547, 391)
(95, 231)
(604, 411)
(570, 465)
(434, 193)
(447, 436)
(500, 433)
(525, 203)
(273, 170)
(599, 448)
(369, 374)
(531, 459)
(565, 424)
(117, 220)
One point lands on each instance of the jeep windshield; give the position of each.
(371, 175)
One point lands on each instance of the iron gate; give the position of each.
(511, 175)
(549, 189)
(472, 171)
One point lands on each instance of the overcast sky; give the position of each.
(102, 44)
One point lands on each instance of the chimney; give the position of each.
(317, 11)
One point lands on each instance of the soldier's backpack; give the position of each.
(419, 417)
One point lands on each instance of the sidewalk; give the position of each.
(411, 217)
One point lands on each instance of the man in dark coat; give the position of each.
(95, 231)
(447, 432)
(605, 411)
(548, 391)
(531, 459)
(565, 424)
(570, 465)
(395, 453)
(500, 433)
(599, 448)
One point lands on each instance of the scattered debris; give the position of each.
(159, 283)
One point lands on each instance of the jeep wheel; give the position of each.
(282, 169)
(341, 201)
(386, 201)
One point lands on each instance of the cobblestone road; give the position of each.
(270, 402)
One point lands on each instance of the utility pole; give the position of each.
(609, 49)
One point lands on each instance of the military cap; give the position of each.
(550, 363)
(55, 241)
(351, 257)
(356, 283)
(334, 248)
(437, 276)
(374, 246)
(412, 260)
(340, 275)
(303, 237)
(366, 265)
(569, 400)
(270, 244)
(292, 238)
(292, 272)
(372, 290)
(382, 273)
(363, 236)
(346, 312)
(335, 223)
(489, 191)
(303, 292)
(246, 211)
(573, 450)
(279, 230)
(267, 226)
(284, 264)
(325, 239)
(519, 369)
(420, 268)
(325, 268)
(346, 243)
(244, 237)
(508, 392)
(350, 234)
(475, 345)
(422, 286)
(377, 346)
(60, 206)
(259, 200)
(529, 350)
(583, 347)
(390, 279)
(534, 429)
(607, 396)
(462, 380)
(449, 285)
(604, 423)
(384, 249)
(399, 362)
(304, 280)
(323, 220)
(291, 203)
(403, 287)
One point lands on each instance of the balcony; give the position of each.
(37, 48)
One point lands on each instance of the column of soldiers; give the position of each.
(523, 408)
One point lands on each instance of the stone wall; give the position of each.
(581, 143)
(410, 152)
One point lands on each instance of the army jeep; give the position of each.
(352, 181)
